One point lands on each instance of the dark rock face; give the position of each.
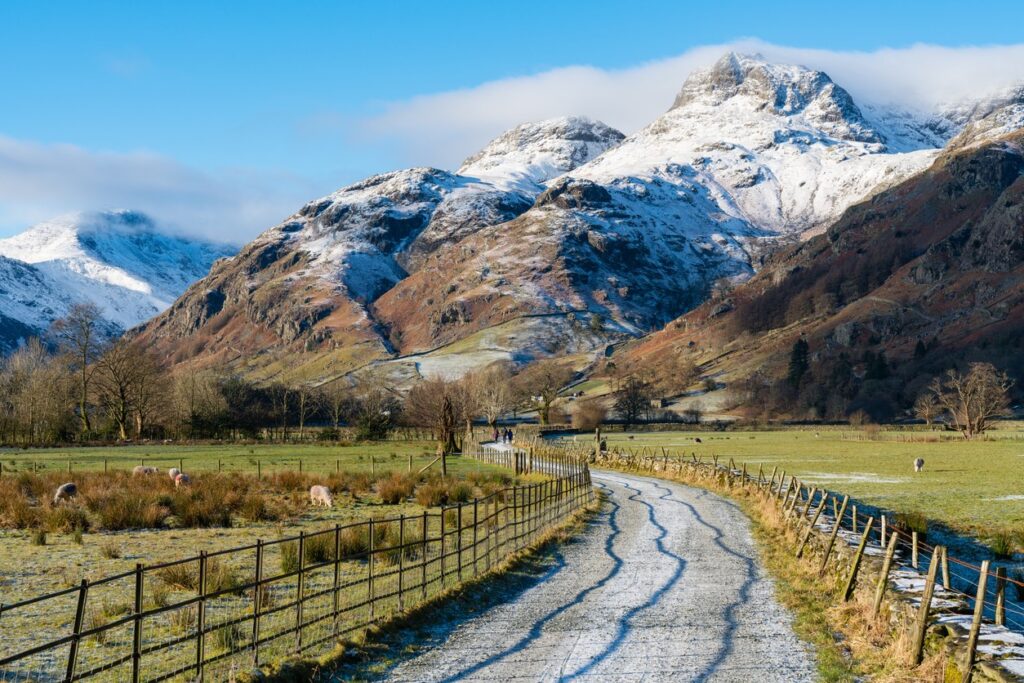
(574, 193)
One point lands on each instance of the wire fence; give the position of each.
(963, 587)
(210, 616)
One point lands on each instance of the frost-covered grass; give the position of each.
(969, 486)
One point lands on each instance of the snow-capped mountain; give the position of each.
(563, 220)
(119, 260)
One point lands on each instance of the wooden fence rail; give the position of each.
(235, 610)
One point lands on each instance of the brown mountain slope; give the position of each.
(937, 259)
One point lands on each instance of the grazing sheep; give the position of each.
(65, 492)
(182, 480)
(143, 470)
(697, 440)
(321, 495)
(173, 472)
(919, 465)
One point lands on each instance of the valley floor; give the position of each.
(664, 585)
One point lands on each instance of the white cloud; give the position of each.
(441, 129)
(39, 181)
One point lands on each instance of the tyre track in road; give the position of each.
(664, 585)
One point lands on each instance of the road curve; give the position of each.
(663, 586)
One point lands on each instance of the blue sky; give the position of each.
(242, 111)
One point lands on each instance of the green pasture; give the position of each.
(267, 458)
(973, 486)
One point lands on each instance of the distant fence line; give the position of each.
(249, 605)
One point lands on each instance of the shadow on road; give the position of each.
(408, 642)
(624, 624)
(729, 613)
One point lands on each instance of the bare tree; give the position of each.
(305, 406)
(542, 381)
(438, 404)
(492, 391)
(633, 400)
(117, 376)
(926, 407)
(971, 400)
(36, 396)
(197, 398)
(79, 335)
(337, 401)
(149, 392)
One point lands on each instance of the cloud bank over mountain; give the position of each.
(440, 129)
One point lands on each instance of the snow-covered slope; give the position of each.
(565, 220)
(120, 261)
(781, 148)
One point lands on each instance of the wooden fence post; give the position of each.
(83, 592)
(814, 520)
(883, 579)
(299, 590)
(201, 618)
(476, 569)
(832, 536)
(945, 569)
(979, 609)
(369, 571)
(401, 563)
(852, 581)
(853, 518)
(426, 548)
(458, 542)
(1000, 596)
(913, 549)
(137, 626)
(257, 603)
(921, 626)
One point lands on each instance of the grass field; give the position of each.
(27, 569)
(975, 487)
(359, 457)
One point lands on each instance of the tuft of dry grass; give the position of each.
(431, 494)
(396, 488)
(185, 576)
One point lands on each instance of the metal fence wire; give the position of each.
(215, 614)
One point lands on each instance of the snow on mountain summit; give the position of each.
(121, 261)
(532, 153)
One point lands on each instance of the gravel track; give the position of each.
(663, 586)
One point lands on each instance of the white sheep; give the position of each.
(143, 470)
(321, 495)
(65, 492)
(173, 473)
(919, 465)
(182, 480)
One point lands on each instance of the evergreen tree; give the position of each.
(920, 349)
(799, 361)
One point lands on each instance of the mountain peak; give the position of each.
(533, 153)
(785, 89)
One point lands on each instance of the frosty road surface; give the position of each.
(664, 585)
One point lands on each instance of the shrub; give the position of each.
(110, 550)
(254, 508)
(197, 511)
(159, 595)
(38, 537)
(76, 536)
(65, 518)
(459, 492)
(431, 494)
(395, 489)
(1001, 545)
(128, 511)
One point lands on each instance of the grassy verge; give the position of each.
(850, 645)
